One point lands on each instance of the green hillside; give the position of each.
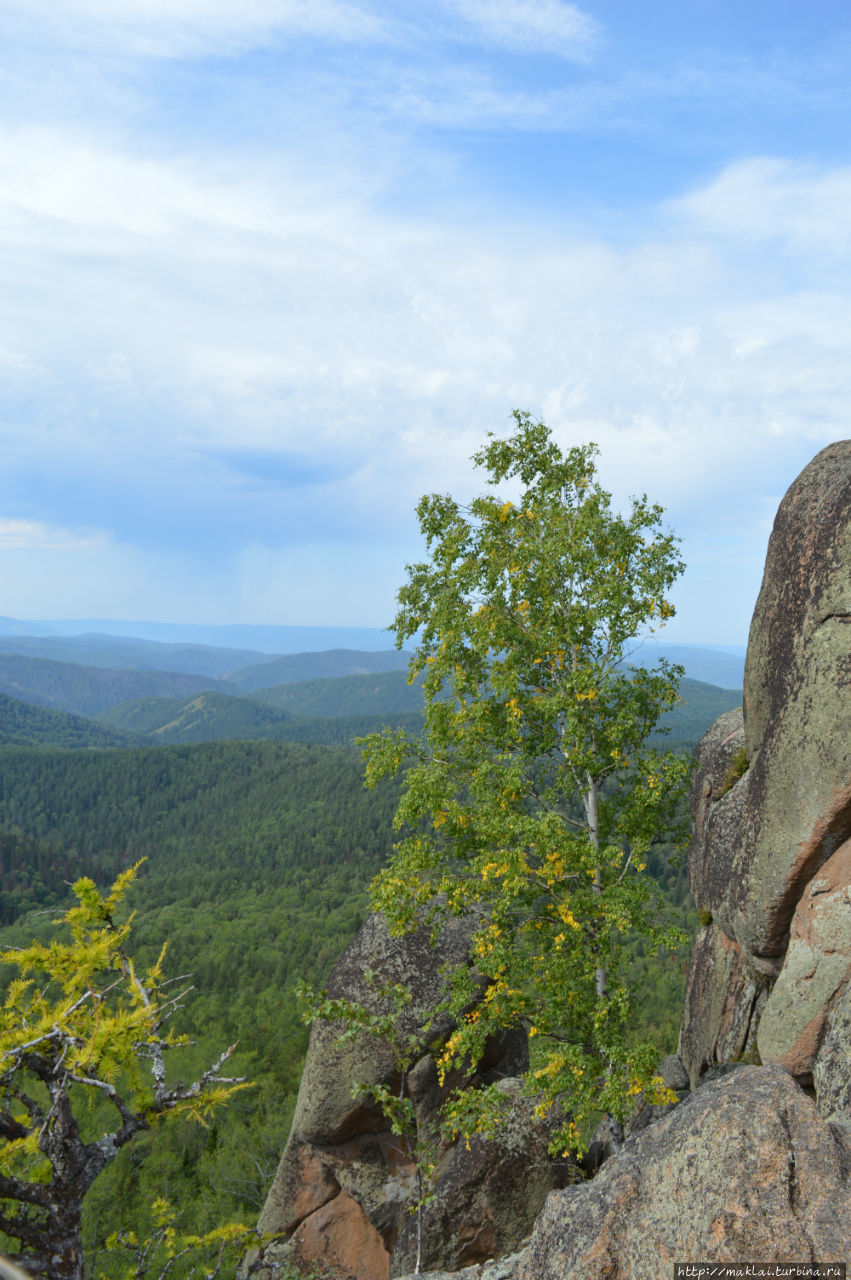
(374, 694)
(216, 716)
(23, 724)
(700, 705)
(294, 667)
(85, 690)
(389, 693)
(259, 856)
(201, 718)
(341, 709)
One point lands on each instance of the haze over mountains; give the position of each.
(225, 650)
(126, 689)
(265, 639)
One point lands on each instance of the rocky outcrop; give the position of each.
(725, 994)
(769, 866)
(797, 708)
(345, 1185)
(487, 1194)
(745, 1169)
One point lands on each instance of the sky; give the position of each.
(270, 271)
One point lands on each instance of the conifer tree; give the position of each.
(80, 1027)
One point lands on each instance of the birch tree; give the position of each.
(534, 794)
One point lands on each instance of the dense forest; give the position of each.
(259, 843)
(27, 725)
(259, 856)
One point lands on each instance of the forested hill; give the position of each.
(259, 853)
(259, 856)
(86, 690)
(339, 709)
(293, 667)
(24, 724)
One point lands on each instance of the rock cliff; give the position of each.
(754, 1162)
(343, 1190)
(770, 862)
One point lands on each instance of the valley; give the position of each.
(236, 779)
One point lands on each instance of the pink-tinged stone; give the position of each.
(815, 971)
(746, 1169)
(342, 1236)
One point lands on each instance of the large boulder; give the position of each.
(797, 708)
(771, 801)
(342, 1197)
(726, 991)
(746, 1168)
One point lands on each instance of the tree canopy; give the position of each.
(532, 796)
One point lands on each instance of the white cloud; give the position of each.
(48, 173)
(190, 315)
(765, 199)
(32, 535)
(547, 26)
(190, 28)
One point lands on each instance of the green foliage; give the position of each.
(80, 1026)
(534, 796)
(738, 769)
(166, 1246)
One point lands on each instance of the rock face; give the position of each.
(832, 1070)
(816, 968)
(769, 861)
(745, 1169)
(345, 1183)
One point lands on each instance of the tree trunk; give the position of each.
(591, 815)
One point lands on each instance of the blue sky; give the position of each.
(270, 271)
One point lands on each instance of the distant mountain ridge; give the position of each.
(181, 692)
(266, 639)
(308, 711)
(117, 654)
(715, 664)
(85, 690)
